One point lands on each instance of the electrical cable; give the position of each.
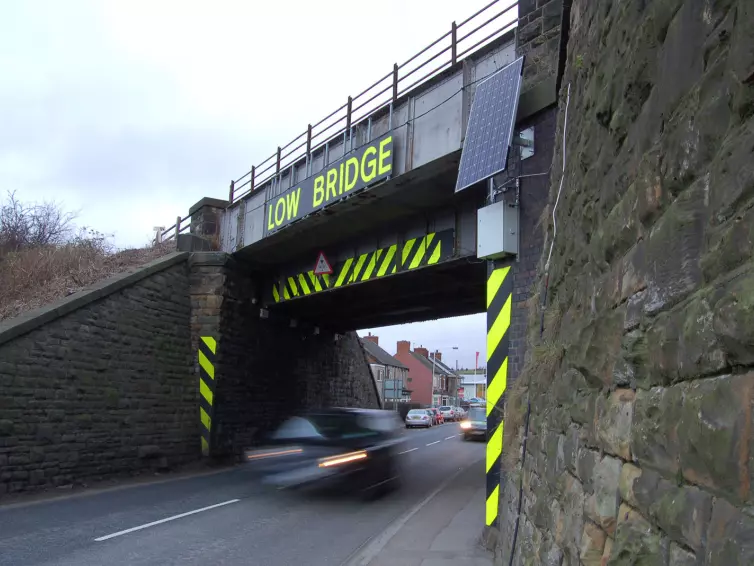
(554, 219)
(541, 331)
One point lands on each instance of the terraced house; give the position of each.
(389, 373)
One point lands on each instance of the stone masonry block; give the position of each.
(571, 526)
(654, 433)
(602, 506)
(681, 557)
(597, 347)
(628, 476)
(592, 545)
(730, 538)
(614, 416)
(637, 542)
(673, 251)
(682, 344)
(714, 433)
(733, 319)
(681, 512)
(585, 463)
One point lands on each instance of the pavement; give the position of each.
(226, 518)
(443, 530)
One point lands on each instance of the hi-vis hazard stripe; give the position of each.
(207, 352)
(412, 254)
(499, 296)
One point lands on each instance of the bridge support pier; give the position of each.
(250, 371)
(499, 304)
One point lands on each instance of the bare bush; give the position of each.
(30, 225)
(40, 275)
(44, 257)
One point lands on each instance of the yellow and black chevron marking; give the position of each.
(207, 352)
(414, 253)
(499, 297)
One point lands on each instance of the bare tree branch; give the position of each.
(32, 225)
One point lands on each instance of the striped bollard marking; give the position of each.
(207, 352)
(499, 298)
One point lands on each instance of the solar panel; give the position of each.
(490, 130)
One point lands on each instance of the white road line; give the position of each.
(407, 451)
(449, 437)
(435, 442)
(173, 518)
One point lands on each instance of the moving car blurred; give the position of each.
(475, 423)
(418, 417)
(447, 412)
(351, 449)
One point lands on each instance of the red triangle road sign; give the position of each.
(323, 266)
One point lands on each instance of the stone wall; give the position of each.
(98, 385)
(267, 368)
(642, 386)
(539, 37)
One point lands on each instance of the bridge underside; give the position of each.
(453, 288)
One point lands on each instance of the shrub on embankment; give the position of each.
(43, 257)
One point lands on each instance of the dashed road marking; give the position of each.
(449, 437)
(435, 442)
(173, 518)
(407, 451)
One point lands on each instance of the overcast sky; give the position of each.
(129, 111)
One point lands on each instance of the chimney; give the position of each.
(403, 347)
(375, 339)
(438, 356)
(423, 351)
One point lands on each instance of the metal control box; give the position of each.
(497, 231)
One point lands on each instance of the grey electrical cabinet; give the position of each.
(497, 231)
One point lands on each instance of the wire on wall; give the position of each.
(541, 331)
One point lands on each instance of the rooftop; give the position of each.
(380, 355)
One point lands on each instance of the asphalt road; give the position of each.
(225, 518)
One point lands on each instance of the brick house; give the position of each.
(389, 373)
(431, 382)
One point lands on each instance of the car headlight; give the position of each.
(465, 425)
(340, 459)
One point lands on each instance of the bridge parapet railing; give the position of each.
(461, 40)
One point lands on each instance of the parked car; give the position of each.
(418, 418)
(342, 448)
(447, 413)
(475, 423)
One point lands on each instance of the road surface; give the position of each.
(225, 518)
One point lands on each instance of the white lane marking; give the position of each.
(435, 442)
(173, 518)
(372, 548)
(407, 451)
(449, 437)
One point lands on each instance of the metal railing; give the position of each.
(453, 46)
(171, 233)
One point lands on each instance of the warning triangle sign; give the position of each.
(323, 266)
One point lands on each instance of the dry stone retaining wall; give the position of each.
(641, 439)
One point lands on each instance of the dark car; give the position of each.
(475, 423)
(343, 448)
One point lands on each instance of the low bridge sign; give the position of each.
(354, 172)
